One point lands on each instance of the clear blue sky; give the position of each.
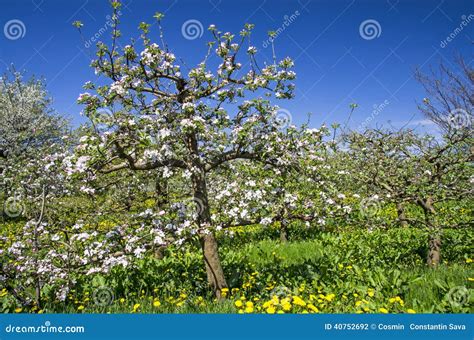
(335, 65)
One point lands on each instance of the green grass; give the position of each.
(348, 265)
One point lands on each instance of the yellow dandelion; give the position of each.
(271, 310)
(383, 310)
(298, 301)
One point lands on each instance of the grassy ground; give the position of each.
(350, 272)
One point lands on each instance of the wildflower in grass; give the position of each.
(224, 292)
(156, 303)
(238, 303)
(411, 311)
(275, 300)
(18, 310)
(469, 260)
(249, 307)
(470, 279)
(313, 307)
(298, 301)
(371, 292)
(122, 300)
(383, 310)
(397, 299)
(271, 310)
(135, 307)
(286, 304)
(330, 297)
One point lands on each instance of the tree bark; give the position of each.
(434, 238)
(283, 231)
(434, 250)
(215, 273)
(401, 215)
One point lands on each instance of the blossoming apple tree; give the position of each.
(160, 115)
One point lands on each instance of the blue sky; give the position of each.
(336, 64)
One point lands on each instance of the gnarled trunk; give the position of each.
(434, 250)
(402, 218)
(215, 273)
(434, 238)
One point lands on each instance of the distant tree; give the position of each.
(28, 128)
(422, 170)
(450, 96)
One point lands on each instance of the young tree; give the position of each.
(421, 170)
(32, 144)
(184, 122)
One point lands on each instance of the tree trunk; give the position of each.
(215, 273)
(283, 231)
(434, 238)
(402, 218)
(434, 251)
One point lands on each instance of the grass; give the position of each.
(365, 272)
